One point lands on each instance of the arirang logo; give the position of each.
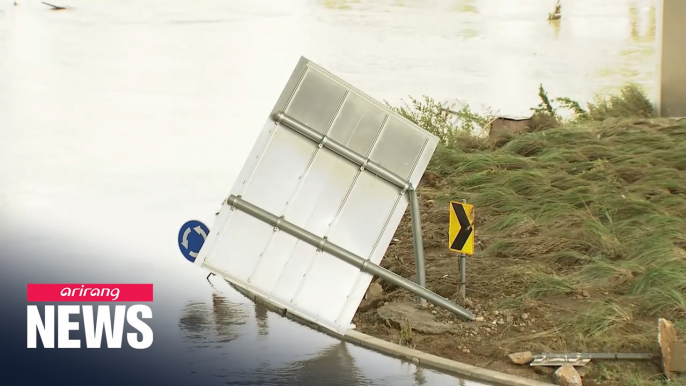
(93, 292)
(93, 327)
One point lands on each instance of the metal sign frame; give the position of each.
(281, 119)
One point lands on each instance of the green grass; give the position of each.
(598, 206)
(606, 274)
(548, 285)
(590, 202)
(600, 320)
(629, 374)
(597, 203)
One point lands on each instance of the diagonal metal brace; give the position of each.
(343, 254)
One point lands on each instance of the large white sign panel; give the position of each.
(291, 175)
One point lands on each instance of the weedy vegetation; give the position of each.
(585, 217)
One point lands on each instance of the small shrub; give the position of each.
(546, 115)
(631, 102)
(453, 126)
(430, 116)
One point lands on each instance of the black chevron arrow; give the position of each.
(465, 227)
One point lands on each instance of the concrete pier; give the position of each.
(670, 98)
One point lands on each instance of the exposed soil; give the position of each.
(509, 320)
(498, 331)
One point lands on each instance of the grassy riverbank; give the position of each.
(581, 237)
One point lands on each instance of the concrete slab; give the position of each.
(424, 359)
(412, 355)
(670, 53)
(406, 313)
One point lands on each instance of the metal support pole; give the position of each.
(417, 240)
(322, 244)
(463, 270)
(463, 275)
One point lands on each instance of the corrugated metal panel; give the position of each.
(290, 175)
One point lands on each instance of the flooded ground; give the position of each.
(121, 120)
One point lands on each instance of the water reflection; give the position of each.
(223, 321)
(631, 59)
(337, 4)
(467, 6)
(212, 324)
(642, 23)
(286, 353)
(334, 364)
(556, 27)
(261, 313)
(419, 377)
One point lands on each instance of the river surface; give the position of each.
(120, 120)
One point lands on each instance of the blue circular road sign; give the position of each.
(191, 238)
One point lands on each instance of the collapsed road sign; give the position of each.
(461, 228)
(316, 204)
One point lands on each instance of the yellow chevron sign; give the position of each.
(461, 229)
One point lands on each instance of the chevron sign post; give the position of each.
(461, 236)
(461, 228)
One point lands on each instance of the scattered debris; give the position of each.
(579, 359)
(509, 125)
(54, 7)
(667, 338)
(567, 375)
(557, 14)
(673, 358)
(521, 358)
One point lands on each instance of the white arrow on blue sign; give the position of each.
(191, 238)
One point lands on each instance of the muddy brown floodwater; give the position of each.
(130, 117)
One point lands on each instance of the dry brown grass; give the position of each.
(582, 227)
